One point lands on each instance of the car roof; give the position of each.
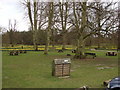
(115, 80)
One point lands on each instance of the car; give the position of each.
(114, 84)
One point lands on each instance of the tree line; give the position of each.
(26, 38)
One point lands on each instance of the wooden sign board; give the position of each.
(61, 67)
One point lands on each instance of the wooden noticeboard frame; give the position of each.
(61, 68)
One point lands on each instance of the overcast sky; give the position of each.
(12, 9)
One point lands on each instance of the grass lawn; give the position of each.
(33, 70)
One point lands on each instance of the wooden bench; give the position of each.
(22, 51)
(91, 54)
(12, 53)
(68, 55)
(59, 51)
(73, 51)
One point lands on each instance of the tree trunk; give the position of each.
(119, 27)
(63, 16)
(33, 24)
(47, 42)
(50, 17)
(80, 48)
(98, 45)
(64, 40)
(81, 41)
(35, 27)
(53, 38)
(35, 41)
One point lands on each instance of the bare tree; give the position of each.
(80, 20)
(33, 19)
(91, 20)
(63, 16)
(50, 22)
(105, 19)
(37, 17)
(119, 26)
(12, 30)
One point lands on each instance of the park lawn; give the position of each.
(33, 70)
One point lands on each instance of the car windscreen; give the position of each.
(114, 83)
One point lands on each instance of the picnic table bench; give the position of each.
(111, 53)
(91, 54)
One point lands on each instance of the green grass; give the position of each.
(33, 70)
